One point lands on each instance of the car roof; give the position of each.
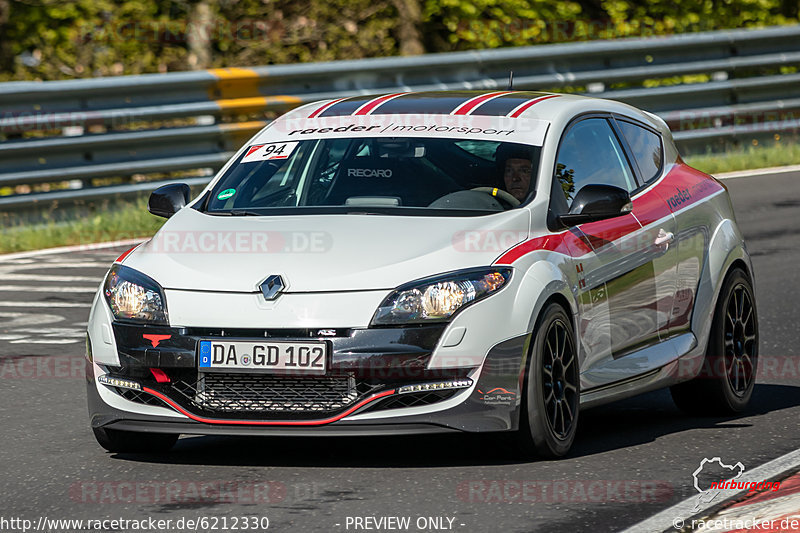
(508, 104)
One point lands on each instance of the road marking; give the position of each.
(68, 249)
(19, 320)
(685, 510)
(45, 341)
(54, 264)
(757, 172)
(40, 288)
(46, 304)
(40, 278)
(44, 288)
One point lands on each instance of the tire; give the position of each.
(551, 391)
(118, 441)
(726, 381)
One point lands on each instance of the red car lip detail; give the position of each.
(269, 422)
(155, 339)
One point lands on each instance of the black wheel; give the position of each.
(551, 397)
(726, 382)
(118, 441)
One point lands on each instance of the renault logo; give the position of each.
(271, 287)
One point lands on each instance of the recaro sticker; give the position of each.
(227, 193)
(269, 152)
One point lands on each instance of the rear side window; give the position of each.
(591, 154)
(646, 147)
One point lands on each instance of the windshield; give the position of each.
(428, 176)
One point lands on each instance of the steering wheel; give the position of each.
(499, 193)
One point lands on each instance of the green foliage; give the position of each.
(117, 221)
(493, 23)
(775, 154)
(275, 31)
(56, 39)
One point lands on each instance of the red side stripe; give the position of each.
(126, 253)
(268, 422)
(548, 242)
(565, 243)
(367, 108)
(604, 232)
(323, 107)
(648, 208)
(467, 107)
(527, 105)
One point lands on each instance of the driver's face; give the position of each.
(517, 177)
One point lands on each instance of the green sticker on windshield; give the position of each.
(227, 193)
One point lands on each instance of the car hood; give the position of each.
(312, 253)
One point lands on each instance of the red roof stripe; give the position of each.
(527, 105)
(370, 106)
(323, 107)
(470, 105)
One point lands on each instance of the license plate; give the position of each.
(271, 356)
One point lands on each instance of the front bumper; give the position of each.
(369, 367)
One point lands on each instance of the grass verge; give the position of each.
(120, 220)
(748, 158)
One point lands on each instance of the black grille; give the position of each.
(413, 399)
(139, 397)
(224, 392)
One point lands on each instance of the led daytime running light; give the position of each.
(105, 379)
(436, 385)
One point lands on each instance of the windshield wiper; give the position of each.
(237, 213)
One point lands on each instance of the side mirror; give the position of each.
(597, 202)
(168, 199)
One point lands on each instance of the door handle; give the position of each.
(664, 237)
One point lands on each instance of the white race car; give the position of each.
(427, 262)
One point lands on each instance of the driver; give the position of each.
(517, 168)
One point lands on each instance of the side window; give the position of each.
(646, 147)
(591, 154)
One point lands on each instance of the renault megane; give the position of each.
(427, 262)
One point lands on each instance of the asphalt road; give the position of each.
(51, 467)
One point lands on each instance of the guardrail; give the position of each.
(113, 127)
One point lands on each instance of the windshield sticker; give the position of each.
(227, 193)
(269, 152)
(517, 130)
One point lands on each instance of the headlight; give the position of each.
(135, 297)
(438, 298)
